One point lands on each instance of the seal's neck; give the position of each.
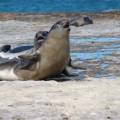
(58, 36)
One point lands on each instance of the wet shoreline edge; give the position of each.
(38, 16)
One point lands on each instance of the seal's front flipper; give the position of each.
(67, 72)
(27, 61)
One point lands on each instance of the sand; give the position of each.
(88, 98)
(91, 99)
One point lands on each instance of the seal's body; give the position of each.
(51, 58)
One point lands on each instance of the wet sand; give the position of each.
(22, 27)
(83, 97)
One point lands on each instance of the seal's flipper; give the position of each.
(21, 48)
(26, 61)
(5, 48)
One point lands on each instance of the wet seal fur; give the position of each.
(50, 59)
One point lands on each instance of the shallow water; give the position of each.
(93, 53)
(76, 40)
(102, 50)
(89, 55)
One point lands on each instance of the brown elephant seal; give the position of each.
(51, 58)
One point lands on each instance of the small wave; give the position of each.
(111, 10)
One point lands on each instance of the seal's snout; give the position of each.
(66, 24)
(88, 20)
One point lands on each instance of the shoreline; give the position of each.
(17, 27)
(37, 16)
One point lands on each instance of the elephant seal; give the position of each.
(7, 52)
(39, 39)
(51, 58)
(86, 21)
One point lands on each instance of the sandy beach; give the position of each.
(85, 97)
(91, 99)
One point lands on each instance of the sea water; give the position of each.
(35, 6)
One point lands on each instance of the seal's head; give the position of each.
(60, 29)
(77, 23)
(40, 37)
(87, 20)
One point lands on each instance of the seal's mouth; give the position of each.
(40, 42)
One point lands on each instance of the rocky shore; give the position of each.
(85, 97)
